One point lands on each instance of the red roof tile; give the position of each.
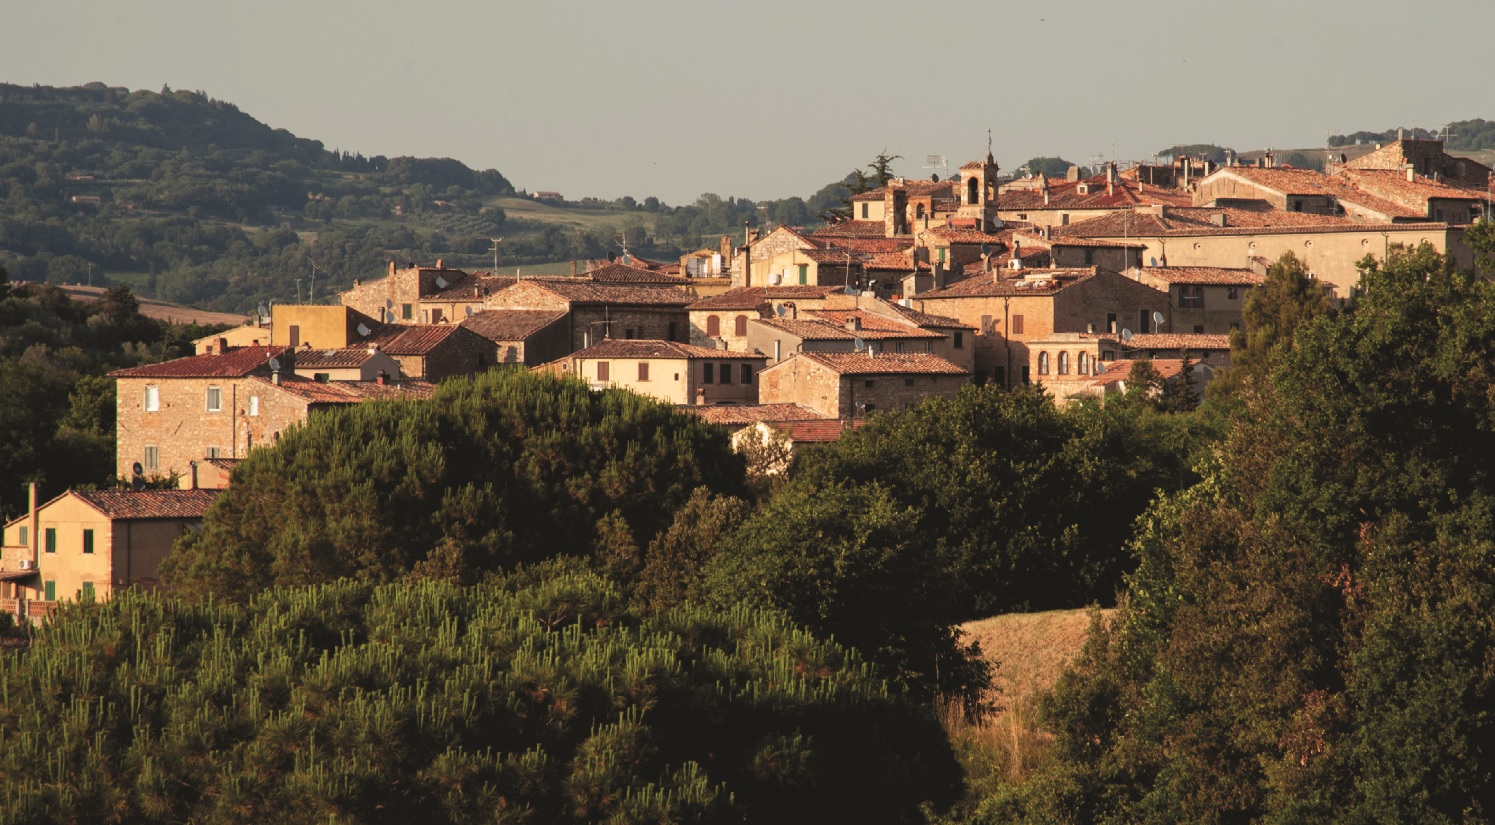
(236, 363)
(851, 229)
(510, 324)
(352, 392)
(861, 363)
(332, 358)
(986, 286)
(1193, 341)
(578, 291)
(1205, 275)
(740, 414)
(820, 431)
(149, 504)
(619, 273)
(1122, 370)
(752, 297)
(411, 339)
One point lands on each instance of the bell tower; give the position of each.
(978, 191)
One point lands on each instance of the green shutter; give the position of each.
(87, 541)
(804, 274)
(88, 591)
(51, 539)
(49, 591)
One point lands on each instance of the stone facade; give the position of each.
(853, 384)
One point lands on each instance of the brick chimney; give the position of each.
(854, 323)
(32, 520)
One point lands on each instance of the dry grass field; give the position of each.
(160, 310)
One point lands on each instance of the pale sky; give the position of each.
(770, 99)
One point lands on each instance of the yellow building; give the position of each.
(89, 544)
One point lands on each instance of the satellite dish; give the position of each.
(1126, 334)
(1157, 317)
(389, 303)
(264, 310)
(985, 250)
(136, 469)
(1100, 367)
(363, 330)
(781, 310)
(469, 311)
(851, 290)
(859, 344)
(441, 283)
(1152, 262)
(275, 365)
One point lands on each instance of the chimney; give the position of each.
(747, 255)
(192, 473)
(1017, 254)
(573, 267)
(382, 377)
(438, 264)
(391, 269)
(1090, 328)
(1072, 174)
(31, 518)
(222, 345)
(854, 323)
(726, 248)
(1219, 219)
(1411, 173)
(1188, 165)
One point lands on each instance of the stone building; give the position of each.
(91, 544)
(601, 311)
(1201, 299)
(1009, 309)
(852, 384)
(523, 336)
(435, 352)
(721, 321)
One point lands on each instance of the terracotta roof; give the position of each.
(751, 297)
(1395, 184)
(1308, 182)
(1178, 340)
(914, 188)
(473, 287)
(332, 358)
(927, 320)
(1201, 221)
(891, 260)
(1210, 275)
(863, 244)
(648, 348)
(986, 286)
(833, 256)
(851, 229)
(410, 339)
(1065, 194)
(957, 234)
(807, 329)
(510, 324)
(352, 392)
(223, 463)
(861, 363)
(619, 273)
(819, 431)
(740, 414)
(148, 504)
(236, 363)
(578, 291)
(873, 326)
(1122, 370)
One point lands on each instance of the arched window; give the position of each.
(740, 327)
(1064, 363)
(919, 211)
(973, 186)
(713, 326)
(1084, 363)
(1043, 363)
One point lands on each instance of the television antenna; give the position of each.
(312, 297)
(298, 290)
(937, 162)
(496, 242)
(1095, 161)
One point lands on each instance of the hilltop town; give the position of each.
(784, 335)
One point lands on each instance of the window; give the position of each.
(25, 535)
(214, 452)
(1026, 377)
(1144, 320)
(88, 542)
(254, 405)
(407, 312)
(88, 591)
(152, 459)
(869, 383)
(1064, 363)
(987, 325)
(215, 399)
(713, 326)
(49, 591)
(726, 373)
(1089, 257)
(1191, 297)
(864, 211)
(1233, 293)
(1017, 325)
(1043, 363)
(629, 334)
(708, 373)
(747, 374)
(942, 254)
(739, 327)
(1082, 363)
(643, 371)
(604, 370)
(295, 335)
(972, 187)
(908, 382)
(51, 543)
(152, 399)
(1111, 322)
(1199, 329)
(321, 377)
(672, 332)
(436, 315)
(898, 346)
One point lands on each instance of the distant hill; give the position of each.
(188, 199)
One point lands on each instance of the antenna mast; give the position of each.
(496, 242)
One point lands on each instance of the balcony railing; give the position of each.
(40, 609)
(11, 606)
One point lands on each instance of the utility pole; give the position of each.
(496, 242)
(298, 290)
(313, 290)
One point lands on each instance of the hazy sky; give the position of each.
(768, 99)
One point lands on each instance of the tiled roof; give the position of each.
(223, 463)
(510, 324)
(1206, 275)
(863, 244)
(1178, 340)
(148, 504)
(807, 329)
(352, 392)
(236, 363)
(914, 188)
(861, 363)
(1122, 370)
(927, 320)
(851, 229)
(833, 256)
(474, 287)
(891, 260)
(819, 431)
(410, 339)
(986, 286)
(751, 297)
(739, 414)
(1308, 182)
(332, 358)
(1395, 184)
(578, 291)
(1201, 221)
(618, 273)
(648, 348)
(873, 326)
(1066, 194)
